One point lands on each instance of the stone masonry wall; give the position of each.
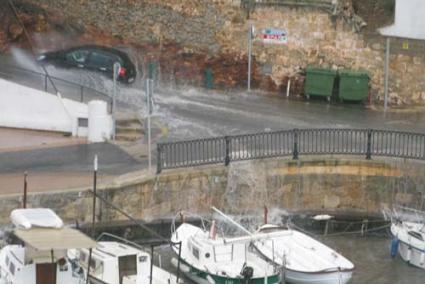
(335, 187)
(215, 28)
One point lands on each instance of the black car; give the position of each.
(93, 57)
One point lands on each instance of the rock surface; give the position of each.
(183, 40)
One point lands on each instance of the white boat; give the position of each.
(409, 241)
(117, 262)
(42, 257)
(207, 258)
(304, 259)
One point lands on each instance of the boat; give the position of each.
(40, 257)
(304, 259)
(409, 242)
(207, 258)
(120, 262)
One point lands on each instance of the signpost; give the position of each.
(250, 37)
(117, 68)
(149, 106)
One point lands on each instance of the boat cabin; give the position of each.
(133, 264)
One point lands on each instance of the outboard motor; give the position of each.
(247, 273)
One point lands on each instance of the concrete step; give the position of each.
(128, 122)
(130, 130)
(127, 137)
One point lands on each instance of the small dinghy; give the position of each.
(120, 262)
(207, 258)
(42, 257)
(409, 242)
(304, 259)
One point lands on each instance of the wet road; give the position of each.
(191, 114)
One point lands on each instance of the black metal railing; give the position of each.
(296, 142)
(38, 80)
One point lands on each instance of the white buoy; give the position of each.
(100, 122)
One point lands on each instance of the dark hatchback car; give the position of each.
(93, 57)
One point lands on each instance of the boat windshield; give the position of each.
(416, 235)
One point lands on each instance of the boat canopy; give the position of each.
(35, 217)
(55, 239)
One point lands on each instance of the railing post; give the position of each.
(369, 145)
(158, 158)
(45, 83)
(81, 93)
(227, 158)
(295, 149)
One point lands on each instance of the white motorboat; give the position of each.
(117, 262)
(207, 258)
(42, 257)
(409, 242)
(304, 259)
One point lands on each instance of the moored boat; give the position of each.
(41, 259)
(304, 259)
(120, 262)
(409, 242)
(207, 258)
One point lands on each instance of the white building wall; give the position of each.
(24, 107)
(408, 22)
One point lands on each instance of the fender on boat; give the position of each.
(183, 267)
(394, 246)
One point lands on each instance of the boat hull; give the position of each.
(203, 277)
(412, 255)
(337, 277)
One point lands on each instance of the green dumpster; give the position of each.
(319, 82)
(353, 85)
(208, 79)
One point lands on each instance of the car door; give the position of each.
(77, 58)
(101, 61)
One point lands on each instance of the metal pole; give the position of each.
(151, 268)
(117, 68)
(93, 233)
(24, 202)
(387, 60)
(148, 104)
(249, 56)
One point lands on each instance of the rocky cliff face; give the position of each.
(183, 40)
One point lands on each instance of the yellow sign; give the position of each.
(405, 45)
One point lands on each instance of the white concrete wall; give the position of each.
(24, 107)
(409, 22)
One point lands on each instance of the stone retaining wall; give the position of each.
(218, 31)
(337, 187)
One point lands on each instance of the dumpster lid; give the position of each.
(354, 73)
(330, 71)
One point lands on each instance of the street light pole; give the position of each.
(387, 71)
(117, 67)
(149, 93)
(250, 32)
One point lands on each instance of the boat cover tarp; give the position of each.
(35, 217)
(54, 239)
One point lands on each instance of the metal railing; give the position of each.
(296, 142)
(39, 81)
